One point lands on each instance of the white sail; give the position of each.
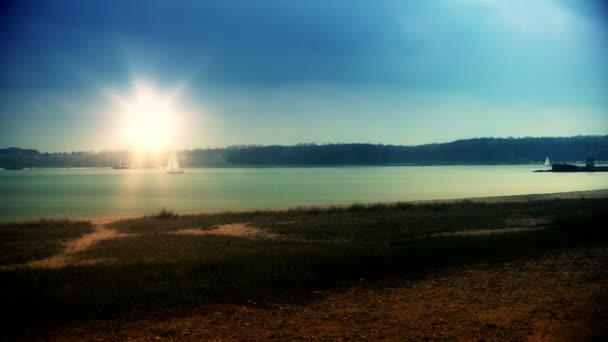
(120, 166)
(547, 162)
(173, 164)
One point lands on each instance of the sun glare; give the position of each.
(150, 118)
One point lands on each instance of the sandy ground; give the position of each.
(65, 256)
(562, 297)
(603, 193)
(514, 225)
(102, 232)
(487, 231)
(243, 230)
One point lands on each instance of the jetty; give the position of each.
(589, 167)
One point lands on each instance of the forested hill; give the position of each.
(470, 151)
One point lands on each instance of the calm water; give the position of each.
(99, 192)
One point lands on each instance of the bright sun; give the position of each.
(150, 118)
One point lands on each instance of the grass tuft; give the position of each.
(166, 214)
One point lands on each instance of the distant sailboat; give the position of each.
(173, 164)
(547, 162)
(120, 166)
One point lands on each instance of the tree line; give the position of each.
(468, 151)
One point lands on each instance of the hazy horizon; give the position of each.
(91, 76)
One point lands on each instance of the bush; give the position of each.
(166, 214)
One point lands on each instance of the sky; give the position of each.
(241, 72)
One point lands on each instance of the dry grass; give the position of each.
(143, 263)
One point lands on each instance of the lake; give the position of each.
(56, 193)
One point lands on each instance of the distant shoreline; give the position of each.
(476, 151)
(251, 166)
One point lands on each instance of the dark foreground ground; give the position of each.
(561, 297)
(525, 270)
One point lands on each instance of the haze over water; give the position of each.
(57, 193)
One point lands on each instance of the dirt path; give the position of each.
(487, 231)
(102, 232)
(73, 247)
(244, 230)
(555, 298)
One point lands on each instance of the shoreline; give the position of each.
(107, 219)
(290, 166)
(585, 194)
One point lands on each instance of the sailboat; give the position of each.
(119, 166)
(173, 164)
(547, 162)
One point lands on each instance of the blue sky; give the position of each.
(284, 72)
